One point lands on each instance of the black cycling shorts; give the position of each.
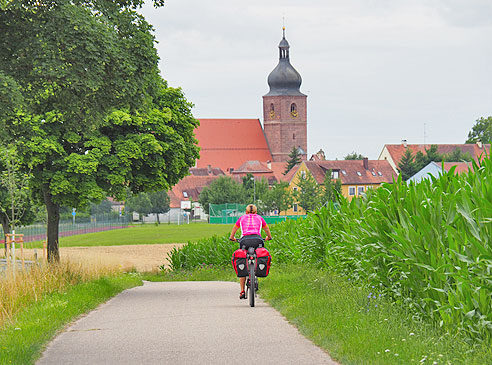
(253, 240)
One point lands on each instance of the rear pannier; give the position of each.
(239, 263)
(263, 262)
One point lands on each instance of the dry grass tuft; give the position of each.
(30, 286)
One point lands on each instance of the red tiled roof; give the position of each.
(212, 171)
(460, 166)
(227, 143)
(398, 150)
(350, 171)
(192, 186)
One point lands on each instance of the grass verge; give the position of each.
(143, 234)
(354, 325)
(22, 339)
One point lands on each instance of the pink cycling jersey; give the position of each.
(251, 224)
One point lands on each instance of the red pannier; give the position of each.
(263, 262)
(239, 263)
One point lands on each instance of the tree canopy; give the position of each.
(354, 156)
(294, 159)
(481, 131)
(221, 191)
(95, 117)
(308, 193)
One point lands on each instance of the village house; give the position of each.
(356, 176)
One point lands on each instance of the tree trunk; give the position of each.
(5, 225)
(53, 210)
(158, 221)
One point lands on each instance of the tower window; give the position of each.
(293, 136)
(272, 107)
(293, 110)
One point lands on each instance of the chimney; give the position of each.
(404, 143)
(209, 169)
(269, 164)
(480, 144)
(365, 161)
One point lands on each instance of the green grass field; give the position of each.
(144, 234)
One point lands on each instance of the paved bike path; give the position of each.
(182, 323)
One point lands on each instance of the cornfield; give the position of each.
(428, 245)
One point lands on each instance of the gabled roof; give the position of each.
(350, 171)
(397, 151)
(435, 169)
(227, 143)
(209, 171)
(460, 166)
(188, 188)
(272, 171)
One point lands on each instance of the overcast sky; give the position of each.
(375, 71)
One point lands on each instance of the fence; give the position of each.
(229, 213)
(95, 223)
(225, 213)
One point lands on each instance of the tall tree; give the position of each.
(332, 188)
(15, 196)
(221, 191)
(457, 156)
(255, 189)
(481, 131)
(432, 154)
(354, 156)
(294, 159)
(421, 161)
(159, 202)
(97, 118)
(139, 203)
(406, 166)
(308, 192)
(278, 198)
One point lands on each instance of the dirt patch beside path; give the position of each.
(140, 257)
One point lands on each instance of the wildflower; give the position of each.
(379, 352)
(372, 286)
(412, 334)
(403, 339)
(440, 355)
(375, 305)
(386, 319)
(387, 350)
(16, 329)
(374, 297)
(396, 354)
(434, 363)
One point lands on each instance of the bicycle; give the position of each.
(251, 265)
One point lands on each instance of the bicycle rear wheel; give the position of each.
(252, 285)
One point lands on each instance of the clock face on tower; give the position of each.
(272, 114)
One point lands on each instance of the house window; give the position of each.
(358, 173)
(295, 188)
(360, 190)
(185, 194)
(351, 190)
(303, 174)
(294, 207)
(334, 174)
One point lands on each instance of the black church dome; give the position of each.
(284, 79)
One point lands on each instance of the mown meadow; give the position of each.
(426, 247)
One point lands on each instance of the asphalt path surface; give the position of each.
(182, 323)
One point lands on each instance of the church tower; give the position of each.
(285, 109)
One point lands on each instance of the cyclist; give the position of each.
(251, 225)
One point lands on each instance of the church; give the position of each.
(236, 147)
